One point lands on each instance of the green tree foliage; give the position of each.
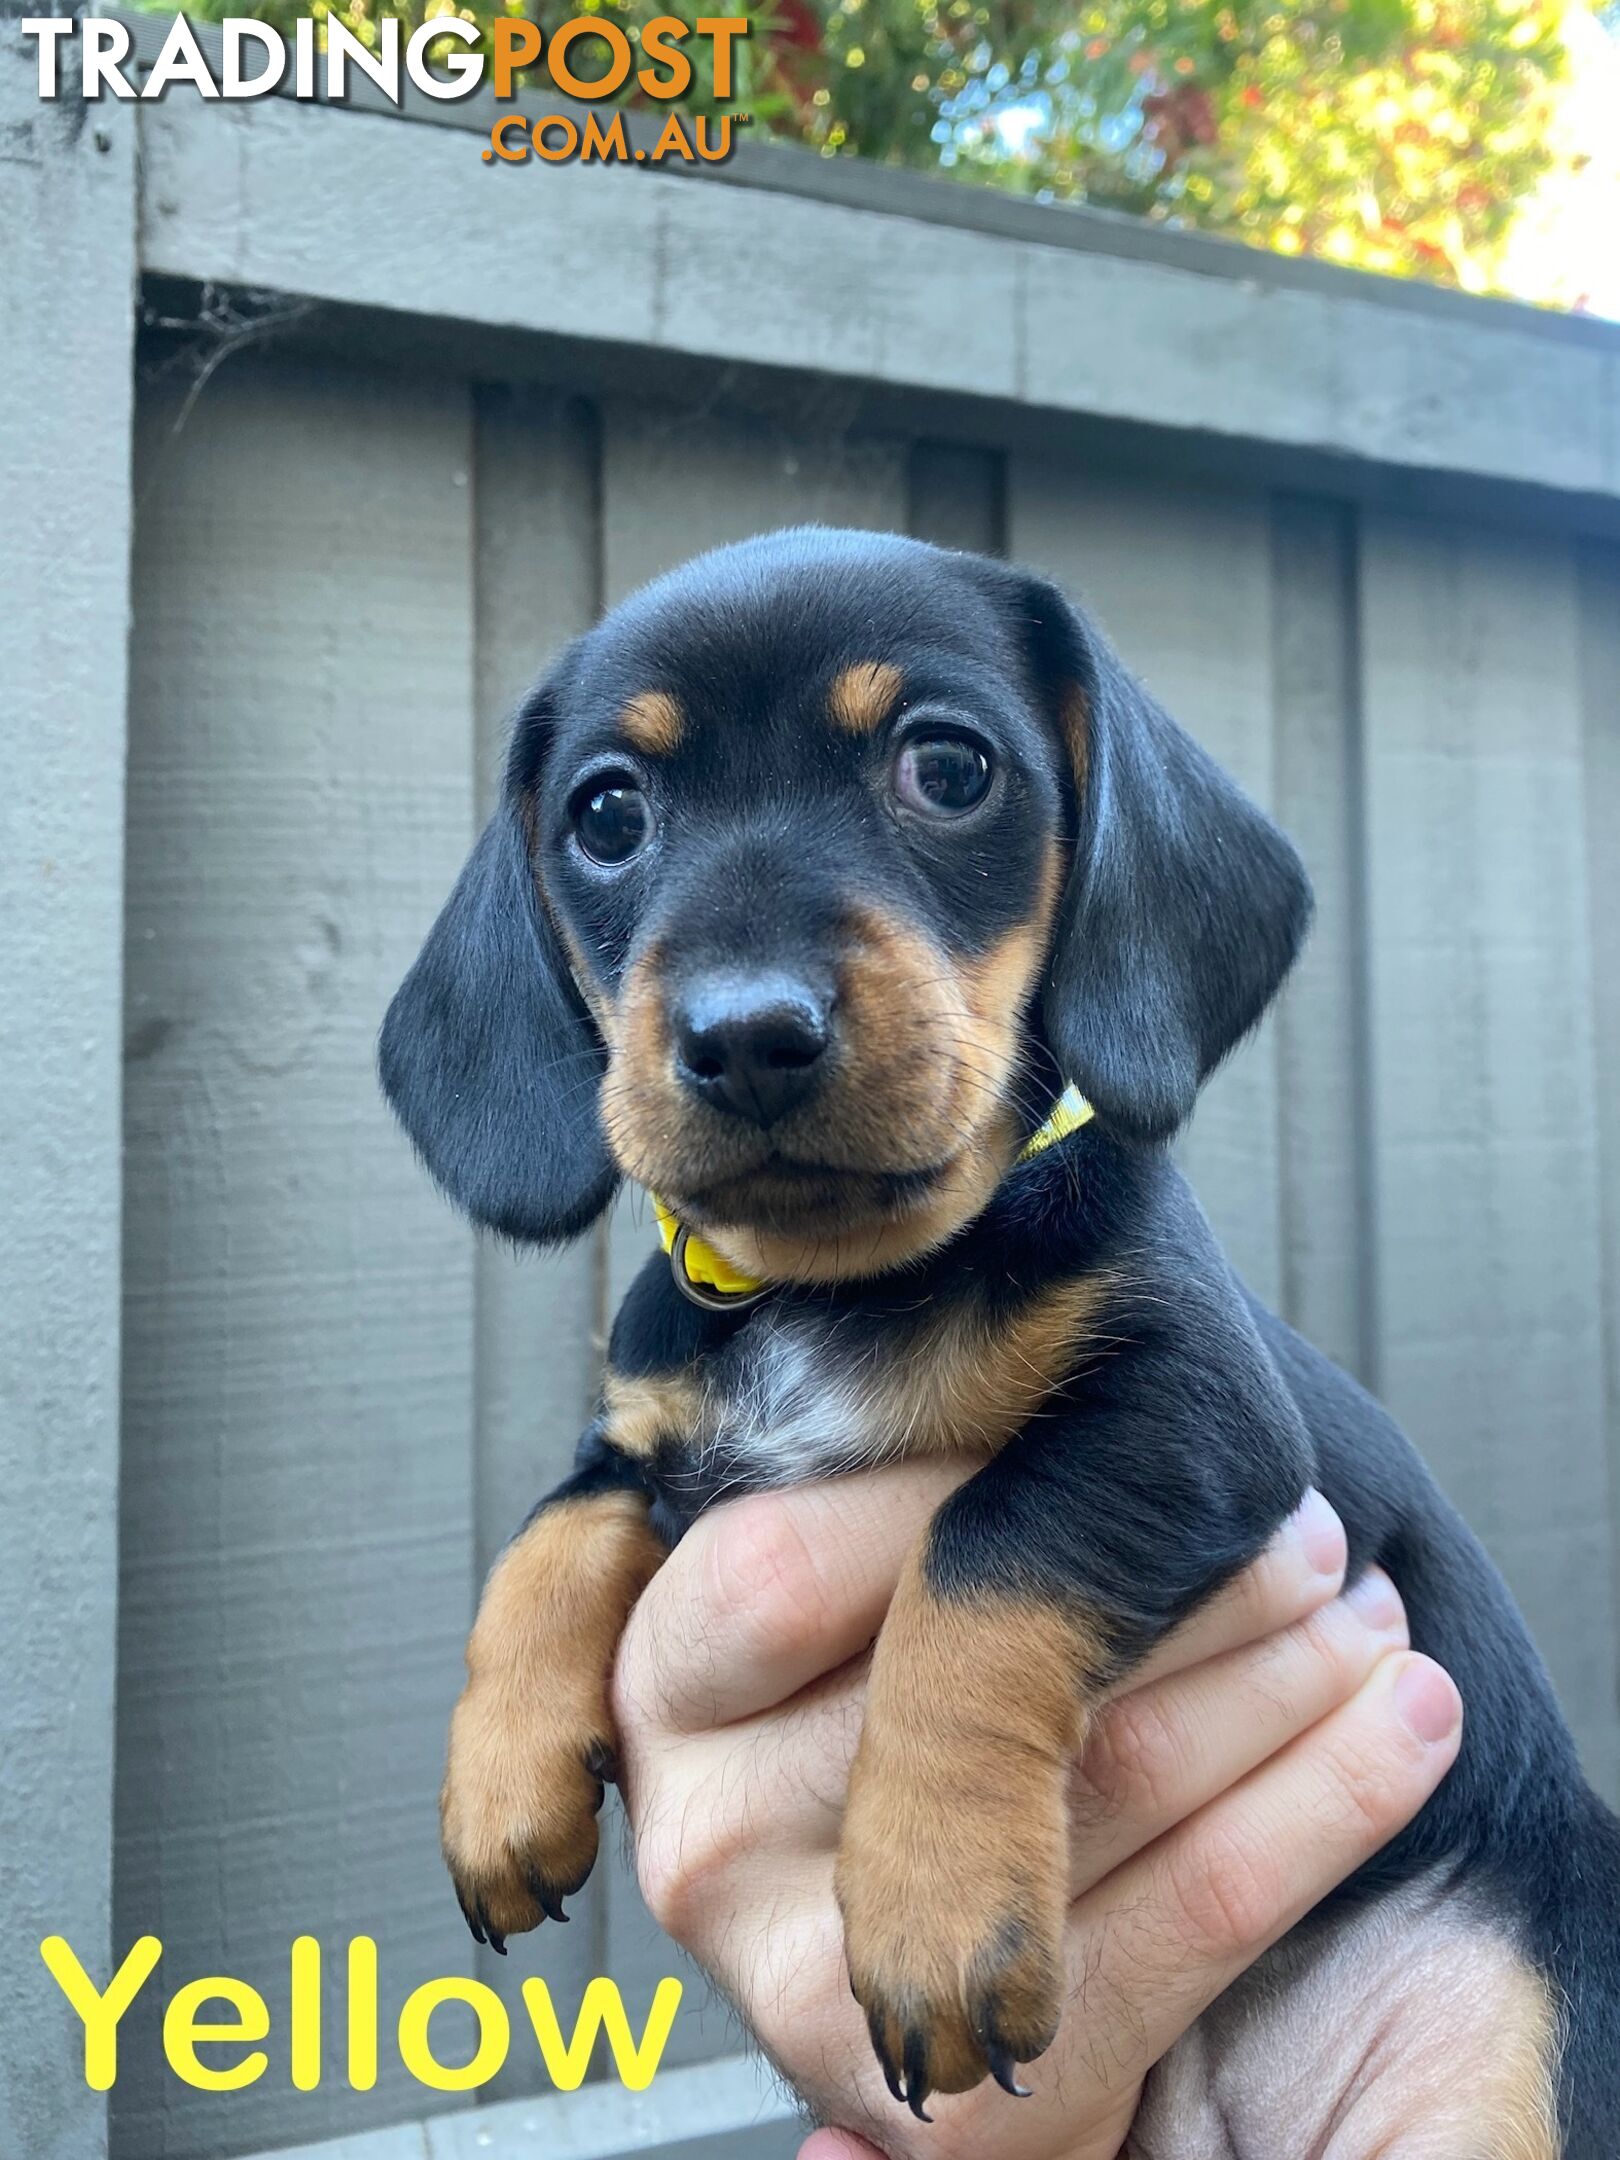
(1398, 135)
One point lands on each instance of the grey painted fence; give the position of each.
(1362, 541)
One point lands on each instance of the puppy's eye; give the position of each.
(942, 774)
(612, 822)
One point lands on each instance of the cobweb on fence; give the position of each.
(225, 320)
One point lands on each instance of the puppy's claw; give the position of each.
(880, 2048)
(1002, 2069)
(468, 1913)
(916, 2070)
(549, 1901)
(497, 1942)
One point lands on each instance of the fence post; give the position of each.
(67, 297)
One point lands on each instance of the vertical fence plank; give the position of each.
(1180, 578)
(296, 1503)
(1322, 1018)
(535, 587)
(536, 573)
(1599, 594)
(674, 483)
(1488, 1263)
(67, 292)
(956, 496)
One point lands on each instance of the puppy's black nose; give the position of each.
(752, 1044)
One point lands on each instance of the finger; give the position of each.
(1299, 1571)
(782, 1777)
(775, 1784)
(764, 1594)
(774, 1788)
(1157, 1755)
(1155, 1943)
(746, 1912)
(837, 2145)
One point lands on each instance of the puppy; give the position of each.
(850, 897)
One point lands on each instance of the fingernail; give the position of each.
(1429, 1705)
(1319, 1534)
(1377, 1602)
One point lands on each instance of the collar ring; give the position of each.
(701, 1293)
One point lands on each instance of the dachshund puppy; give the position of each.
(850, 897)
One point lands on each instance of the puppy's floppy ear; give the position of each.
(487, 1054)
(1185, 905)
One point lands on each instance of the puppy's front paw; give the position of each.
(953, 1870)
(522, 1789)
(531, 1740)
(951, 1879)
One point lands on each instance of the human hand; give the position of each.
(1265, 1751)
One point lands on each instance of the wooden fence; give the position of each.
(332, 435)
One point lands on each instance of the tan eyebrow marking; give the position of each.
(653, 721)
(863, 696)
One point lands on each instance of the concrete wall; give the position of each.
(1360, 542)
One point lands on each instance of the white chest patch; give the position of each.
(786, 1401)
(800, 1393)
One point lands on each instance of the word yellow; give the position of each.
(601, 2010)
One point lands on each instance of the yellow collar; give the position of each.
(708, 1278)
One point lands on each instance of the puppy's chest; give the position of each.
(801, 1391)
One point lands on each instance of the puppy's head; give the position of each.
(820, 865)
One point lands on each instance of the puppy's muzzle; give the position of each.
(752, 1045)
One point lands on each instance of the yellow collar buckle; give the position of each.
(701, 1273)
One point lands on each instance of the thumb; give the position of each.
(838, 2145)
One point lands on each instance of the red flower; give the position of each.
(795, 23)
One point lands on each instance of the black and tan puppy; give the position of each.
(824, 867)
